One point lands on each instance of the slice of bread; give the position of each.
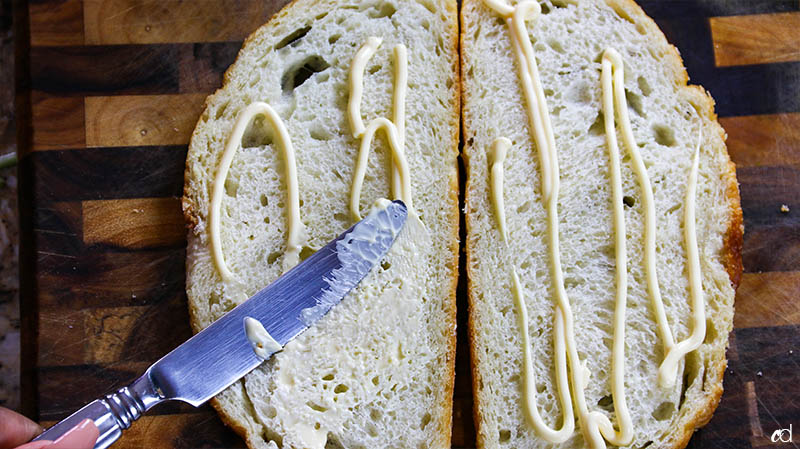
(569, 39)
(377, 370)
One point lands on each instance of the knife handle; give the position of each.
(111, 414)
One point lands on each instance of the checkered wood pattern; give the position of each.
(110, 92)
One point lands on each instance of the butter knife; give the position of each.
(219, 355)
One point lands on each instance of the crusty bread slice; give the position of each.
(377, 370)
(569, 39)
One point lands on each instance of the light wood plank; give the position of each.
(136, 120)
(756, 39)
(757, 140)
(134, 223)
(768, 299)
(57, 122)
(171, 21)
(56, 23)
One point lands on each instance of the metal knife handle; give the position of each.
(112, 414)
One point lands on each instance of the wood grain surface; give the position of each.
(109, 94)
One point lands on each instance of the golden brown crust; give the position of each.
(732, 243)
(190, 213)
(446, 422)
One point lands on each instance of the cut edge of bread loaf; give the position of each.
(700, 412)
(442, 418)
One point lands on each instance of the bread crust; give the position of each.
(190, 213)
(732, 240)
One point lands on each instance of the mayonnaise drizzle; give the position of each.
(497, 155)
(673, 352)
(539, 121)
(394, 129)
(613, 58)
(296, 232)
(669, 367)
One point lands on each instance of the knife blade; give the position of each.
(219, 355)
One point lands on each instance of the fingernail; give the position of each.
(77, 436)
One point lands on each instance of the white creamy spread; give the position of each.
(296, 235)
(353, 252)
(394, 129)
(262, 342)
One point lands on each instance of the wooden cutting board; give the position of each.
(109, 92)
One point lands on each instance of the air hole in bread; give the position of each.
(505, 436)
(606, 402)
(339, 216)
(628, 201)
(264, 200)
(622, 13)
(524, 207)
(328, 377)
(293, 37)
(382, 10)
(559, 3)
(273, 257)
(256, 134)
(231, 187)
(333, 38)
(644, 86)
(341, 388)
(635, 103)
(664, 135)
(385, 265)
(316, 407)
(711, 331)
(684, 387)
(664, 411)
(646, 445)
(333, 442)
(301, 71)
(375, 414)
(375, 381)
(598, 126)
(373, 69)
(556, 45)
(426, 419)
(306, 252)
(221, 110)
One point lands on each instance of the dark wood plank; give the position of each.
(98, 278)
(756, 39)
(202, 65)
(88, 70)
(86, 383)
(672, 9)
(100, 173)
(112, 334)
